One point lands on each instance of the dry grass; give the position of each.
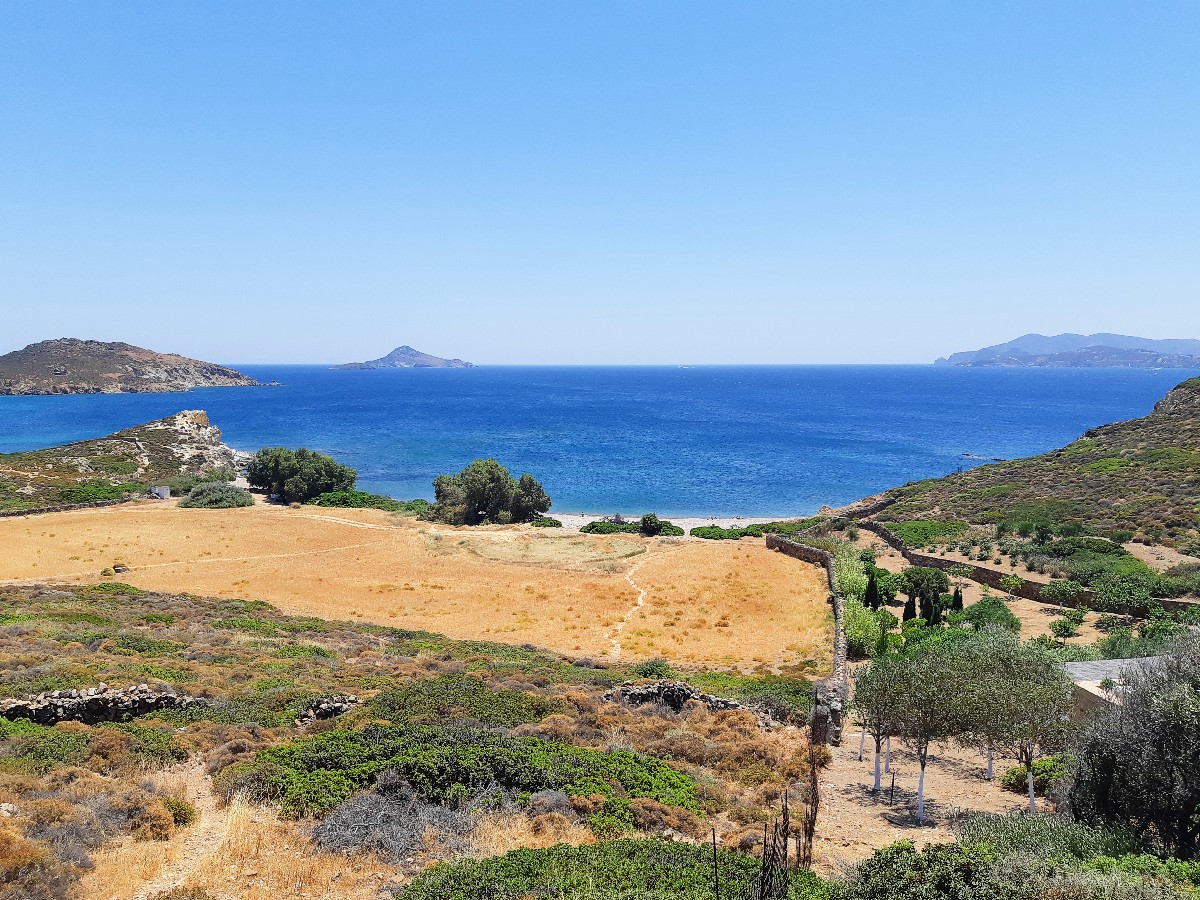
(721, 603)
(264, 858)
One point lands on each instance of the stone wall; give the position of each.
(97, 704)
(832, 693)
(64, 507)
(1030, 590)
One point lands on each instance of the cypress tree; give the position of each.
(910, 610)
(957, 603)
(872, 596)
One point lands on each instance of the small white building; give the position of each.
(162, 492)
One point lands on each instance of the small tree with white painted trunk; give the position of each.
(927, 708)
(875, 703)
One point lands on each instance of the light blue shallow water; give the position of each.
(754, 441)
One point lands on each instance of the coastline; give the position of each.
(575, 521)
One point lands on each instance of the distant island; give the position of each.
(407, 357)
(1082, 351)
(73, 366)
(1102, 351)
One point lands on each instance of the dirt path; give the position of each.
(615, 640)
(198, 842)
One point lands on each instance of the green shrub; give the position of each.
(611, 528)
(1063, 628)
(1061, 592)
(613, 870)
(1075, 616)
(465, 698)
(319, 772)
(136, 643)
(155, 747)
(182, 812)
(363, 500)
(43, 748)
(926, 533)
(1047, 771)
(111, 588)
(862, 630)
(657, 668)
(936, 872)
(991, 612)
(95, 491)
(303, 651)
(1109, 622)
(783, 698)
(546, 522)
(1044, 836)
(215, 495)
(664, 528)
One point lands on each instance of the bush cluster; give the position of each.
(614, 870)
(296, 476)
(364, 500)
(313, 775)
(216, 495)
(649, 525)
(485, 493)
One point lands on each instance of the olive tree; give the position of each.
(925, 682)
(484, 491)
(1138, 762)
(875, 702)
(1015, 699)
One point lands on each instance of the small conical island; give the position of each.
(407, 357)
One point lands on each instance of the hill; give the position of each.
(1083, 351)
(73, 366)
(111, 467)
(406, 357)
(1142, 475)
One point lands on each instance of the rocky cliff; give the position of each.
(73, 366)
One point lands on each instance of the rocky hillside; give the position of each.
(120, 464)
(408, 358)
(1141, 476)
(73, 366)
(1083, 351)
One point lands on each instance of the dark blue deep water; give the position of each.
(754, 441)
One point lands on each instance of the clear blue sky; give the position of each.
(629, 182)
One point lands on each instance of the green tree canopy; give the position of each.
(485, 492)
(1139, 760)
(298, 475)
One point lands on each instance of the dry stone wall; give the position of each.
(96, 704)
(64, 507)
(833, 692)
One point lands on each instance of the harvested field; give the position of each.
(706, 602)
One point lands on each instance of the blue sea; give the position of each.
(702, 441)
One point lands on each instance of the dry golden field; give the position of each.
(693, 602)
